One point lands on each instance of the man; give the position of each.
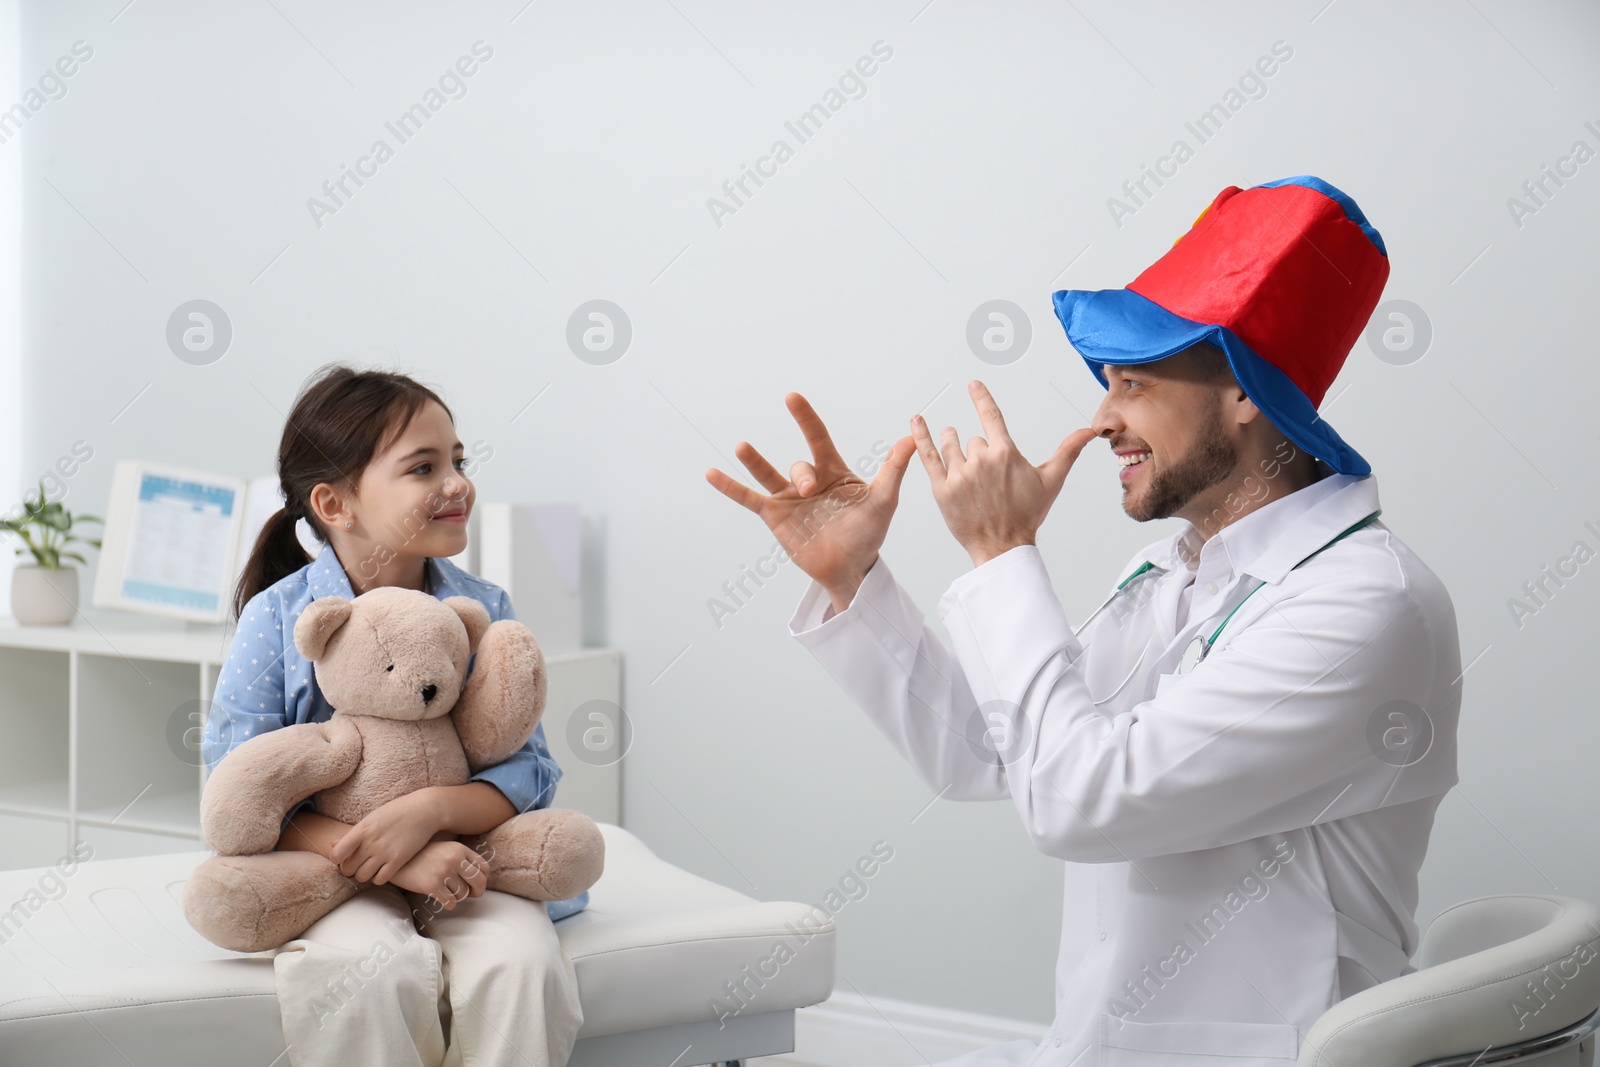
(1240, 755)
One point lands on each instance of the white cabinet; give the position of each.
(100, 727)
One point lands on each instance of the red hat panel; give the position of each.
(1285, 268)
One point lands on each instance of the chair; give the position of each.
(1511, 979)
(98, 966)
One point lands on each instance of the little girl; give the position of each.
(371, 461)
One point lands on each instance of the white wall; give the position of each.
(977, 165)
(10, 286)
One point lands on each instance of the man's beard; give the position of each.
(1210, 461)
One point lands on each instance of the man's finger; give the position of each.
(994, 424)
(759, 468)
(737, 492)
(950, 446)
(823, 454)
(893, 471)
(1053, 471)
(927, 450)
(804, 476)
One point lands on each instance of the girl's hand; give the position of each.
(447, 871)
(376, 848)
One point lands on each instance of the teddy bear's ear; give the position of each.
(473, 614)
(318, 623)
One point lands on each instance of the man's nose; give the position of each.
(1106, 420)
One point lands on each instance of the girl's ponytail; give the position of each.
(341, 420)
(277, 552)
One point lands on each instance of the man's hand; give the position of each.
(376, 848)
(827, 519)
(447, 871)
(992, 498)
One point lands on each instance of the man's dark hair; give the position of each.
(1211, 363)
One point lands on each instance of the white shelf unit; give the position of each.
(100, 724)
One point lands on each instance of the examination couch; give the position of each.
(672, 968)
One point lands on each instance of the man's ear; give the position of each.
(318, 623)
(473, 615)
(1244, 409)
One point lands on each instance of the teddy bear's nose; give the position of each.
(428, 692)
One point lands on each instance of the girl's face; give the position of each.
(414, 499)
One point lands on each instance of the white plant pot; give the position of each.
(41, 596)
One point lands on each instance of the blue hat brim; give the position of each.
(1122, 327)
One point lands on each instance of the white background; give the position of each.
(977, 166)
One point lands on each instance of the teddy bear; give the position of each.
(391, 662)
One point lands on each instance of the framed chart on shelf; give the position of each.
(175, 539)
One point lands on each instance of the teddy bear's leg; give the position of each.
(544, 854)
(252, 903)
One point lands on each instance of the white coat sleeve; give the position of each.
(884, 655)
(1270, 733)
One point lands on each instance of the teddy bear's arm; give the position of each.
(504, 697)
(247, 795)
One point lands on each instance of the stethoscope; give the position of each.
(1201, 646)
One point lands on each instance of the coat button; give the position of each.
(1102, 935)
(1058, 1042)
(1211, 587)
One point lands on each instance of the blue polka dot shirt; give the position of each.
(266, 683)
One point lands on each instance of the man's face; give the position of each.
(1168, 410)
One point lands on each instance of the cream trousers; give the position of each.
(388, 979)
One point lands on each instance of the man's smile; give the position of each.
(1132, 463)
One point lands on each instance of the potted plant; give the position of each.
(45, 593)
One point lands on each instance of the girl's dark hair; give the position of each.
(341, 420)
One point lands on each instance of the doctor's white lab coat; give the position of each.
(1241, 841)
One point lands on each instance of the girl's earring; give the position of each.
(347, 524)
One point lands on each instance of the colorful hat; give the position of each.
(1282, 277)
